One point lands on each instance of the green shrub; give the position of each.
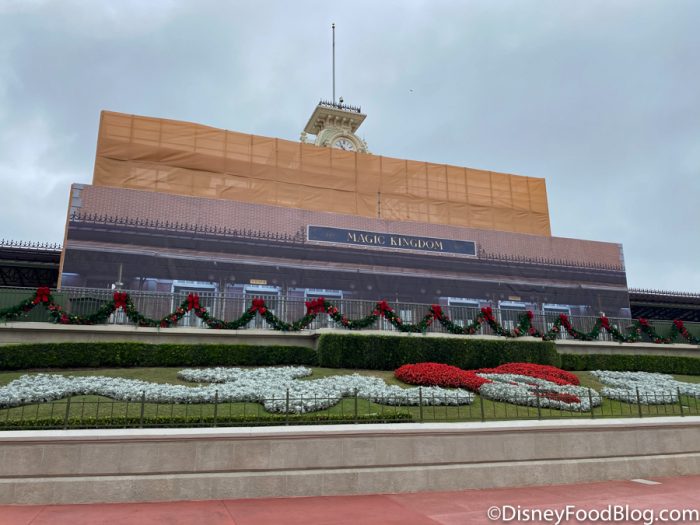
(632, 363)
(120, 355)
(382, 352)
(374, 352)
(208, 421)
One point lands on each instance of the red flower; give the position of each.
(559, 396)
(193, 302)
(120, 299)
(437, 374)
(547, 372)
(42, 295)
(64, 319)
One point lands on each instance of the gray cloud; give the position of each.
(600, 98)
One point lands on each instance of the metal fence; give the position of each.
(95, 412)
(227, 306)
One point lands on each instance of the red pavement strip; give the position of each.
(447, 508)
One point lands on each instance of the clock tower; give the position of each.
(335, 124)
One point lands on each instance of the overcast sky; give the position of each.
(601, 98)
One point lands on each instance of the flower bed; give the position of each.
(518, 383)
(437, 374)
(547, 372)
(644, 387)
(278, 389)
(535, 392)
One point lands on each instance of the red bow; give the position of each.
(604, 322)
(316, 306)
(487, 313)
(42, 295)
(383, 307)
(681, 327)
(258, 306)
(564, 321)
(530, 315)
(437, 310)
(643, 322)
(120, 299)
(193, 302)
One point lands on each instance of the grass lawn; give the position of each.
(104, 408)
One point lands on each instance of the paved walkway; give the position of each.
(446, 508)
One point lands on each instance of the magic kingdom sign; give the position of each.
(390, 241)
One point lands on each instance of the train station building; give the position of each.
(179, 207)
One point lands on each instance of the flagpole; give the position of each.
(333, 27)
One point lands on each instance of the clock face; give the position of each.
(344, 144)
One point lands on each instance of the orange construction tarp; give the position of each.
(191, 159)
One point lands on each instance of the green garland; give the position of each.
(122, 300)
(639, 326)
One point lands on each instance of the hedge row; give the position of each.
(374, 352)
(382, 352)
(121, 355)
(222, 421)
(633, 363)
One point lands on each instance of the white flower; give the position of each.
(645, 388)
(532, 391)
(276, 388)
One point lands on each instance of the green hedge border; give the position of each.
(632, 363)
(381, 352)
(127, 355)
(372, 352)
(207, 422)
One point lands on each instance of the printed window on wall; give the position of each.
(271, 295)
(207, 296)
(509, 313)
(463, 311)
(551, 313)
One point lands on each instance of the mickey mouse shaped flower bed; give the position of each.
(278, 389)
(518, 383)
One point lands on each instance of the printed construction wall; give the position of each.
(189, 159)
